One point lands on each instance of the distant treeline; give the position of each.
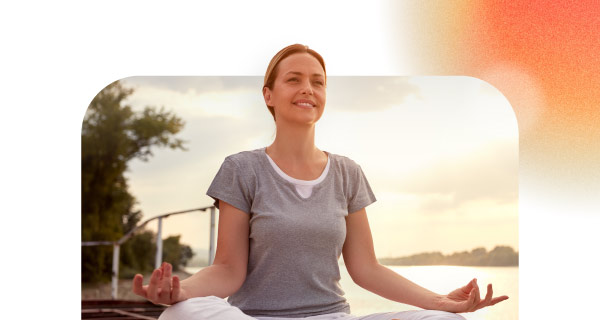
(499, 256)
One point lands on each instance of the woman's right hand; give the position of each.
(163, 287)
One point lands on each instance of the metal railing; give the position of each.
(158, 260)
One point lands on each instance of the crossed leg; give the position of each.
(215, 308)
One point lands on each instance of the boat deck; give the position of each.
(120, 310)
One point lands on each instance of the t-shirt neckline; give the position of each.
(298, 181)
(322, 179)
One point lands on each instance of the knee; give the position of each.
(194, 309)
(432, 315)
(443, 315)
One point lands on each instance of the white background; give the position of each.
(57, 55)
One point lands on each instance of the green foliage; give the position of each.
(138, 254)
(113, 134)
(175, 253)
(96, 263)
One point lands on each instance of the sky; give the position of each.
(440, 153)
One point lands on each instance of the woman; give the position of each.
(286, 214)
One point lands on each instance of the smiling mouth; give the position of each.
(306, 105)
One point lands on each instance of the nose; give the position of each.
(307, 88)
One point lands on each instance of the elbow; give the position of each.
(238, 277)
(363, 274)
(237, 284)
(234, 279)
(229, 279)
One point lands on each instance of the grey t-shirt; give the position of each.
(295, 243)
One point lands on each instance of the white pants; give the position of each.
(215, 308)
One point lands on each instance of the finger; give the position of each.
(489, 294)
(498, 299)
(152, 290)
(467, 289)
(488, 297)
(162, 269)
(477, 294)
(138, 287)
(176, 289)
(471, 301)
(166, 281)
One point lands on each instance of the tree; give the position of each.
(113, 134)
(503, 256)
(175, 253)
(478, 257)
(138, 254)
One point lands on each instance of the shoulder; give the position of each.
(343, 162)
(246, 159)
(347, 168)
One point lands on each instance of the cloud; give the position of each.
(356, 94)
(210, 138)
(198, 97)
(197, 84)
(172, 180)
(489, 173)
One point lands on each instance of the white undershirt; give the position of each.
(303, 187)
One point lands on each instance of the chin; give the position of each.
(300, 118)
(301, 121)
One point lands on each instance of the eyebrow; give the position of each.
(300, 73)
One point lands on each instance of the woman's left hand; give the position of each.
(467, 299)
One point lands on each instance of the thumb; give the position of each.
(469, 286)
(138, 287)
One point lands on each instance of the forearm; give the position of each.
(219, 280)
(390, 285)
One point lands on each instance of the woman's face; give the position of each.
(298, 94)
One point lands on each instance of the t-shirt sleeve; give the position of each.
(361, 194)
(230, 185)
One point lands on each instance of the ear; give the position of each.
(267, 95)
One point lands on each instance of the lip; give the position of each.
(304, 103)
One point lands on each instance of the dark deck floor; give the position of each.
(119, 310)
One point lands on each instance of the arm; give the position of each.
(223, 278)
(365, 270)
(228, 272)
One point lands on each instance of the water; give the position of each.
(440, 279)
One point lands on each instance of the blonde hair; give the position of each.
(271, 73)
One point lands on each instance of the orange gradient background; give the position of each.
(544, 56)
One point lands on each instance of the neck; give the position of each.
(295, 144)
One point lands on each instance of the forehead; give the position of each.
(303, 63)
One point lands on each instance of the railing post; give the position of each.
(159, 245)
(211, 248)
(159, 250)
(115, 271)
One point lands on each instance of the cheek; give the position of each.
(323, 97)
